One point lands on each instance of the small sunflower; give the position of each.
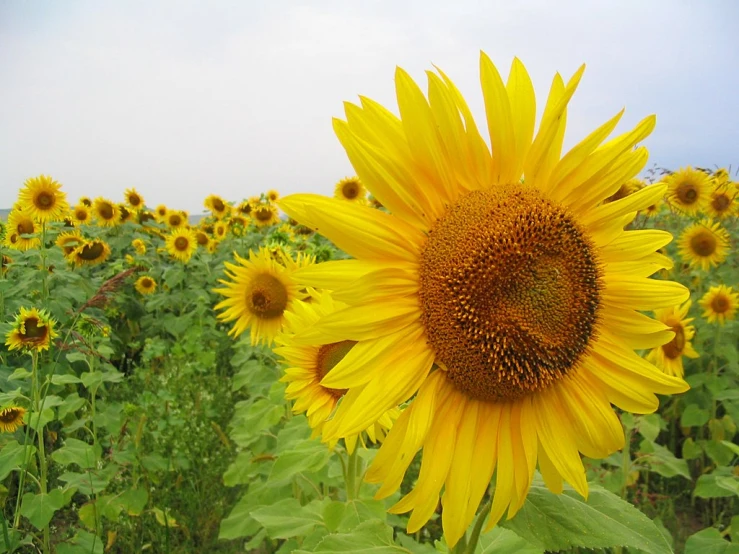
(265, 215)
(145, 216)
(721, 176)
(627, 188)
(307, 365)
(32, 330)
(5, 262)
(176, 219)
(85, 201)
(688, 190)
(244, 208)
(70, 241)
(273, 195)
(139, 246)
(161, 212)
(134, 200)
(218, 207)
(181, 244)
(258, 293)
(719, 304)
(669, 356)
(125, 214)
(704, 244)
(80, 215)
(723, 203)
(21, 230)
(106, 212)
(351, 189)
(653, 209)
(145, 285)
(11, 418)
(202, 238)
(43, 199)
(91, 252)
(220, 230)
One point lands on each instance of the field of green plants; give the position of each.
(137, 416)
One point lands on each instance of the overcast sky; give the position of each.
(183, 99)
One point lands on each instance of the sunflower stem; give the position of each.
(35, 385)
(477, 529)
(625, 462)
(351, 475)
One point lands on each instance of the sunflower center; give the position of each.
(134, 200)
(106, 211)
(80, 215)
(175, 220)
(91, 251)
(675, 347)
(25, 227)
(146, 283)
(703, 244)
(263, 214)
(45, 200)
(202, 238)
(509, 289)
(10, 415)
(267, 297)
(720, 304)
(329, 355)
(34, 329)
(350, 190)
(687, 193)
(720, 203)
(181, 243)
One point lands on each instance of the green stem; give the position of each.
(6, 536)
(40, 435)
(477, 529)
(351, 475)
(625, 462)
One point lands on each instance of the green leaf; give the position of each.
(19, 374)
(82, 543)
(78, 452)
(649, 426)
(369, 537)
(505, 541)
(662, 461)
(12, 456)
(558, 522)
(91, 482)
(72, 403)
(709, 541)
(287, 518)
(308, 456)
(694, 416)
(721, 455)
(245, 374)
(134, 501)
(691, 449)
(716, 486)
(66, 379)
(93, 379)
(729, 394)
(731, 446)
(40, 508)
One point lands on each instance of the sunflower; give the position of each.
(511, 309)
(80, 215)
(265, 215)
(218, 207)
(259, 291)
(85, 201)
(202, 238)
(139, 246)
(32, 329)
(91, 252)
(723, 203)
(106, 212)
(307, 365)
(688, 190)
(704, 244)
(626, 188)
(176, 219)
(244, 208)
(145, 216)
(721, 176)
(161, 212)
(181, 244)
(70, 241)
(653, 209)
(272, 195)
(220, 230)
(670, 356)
(134, 200)
(43, 199)
(5, 262)
(11, 418)
(124, 214)
(21, 230)
(145, 285)
(351, 189)
(719, 304)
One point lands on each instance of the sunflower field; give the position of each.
(474, 347)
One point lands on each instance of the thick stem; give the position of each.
(477, 529)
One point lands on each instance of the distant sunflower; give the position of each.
(125, 214)
(70, 241)
(32, 330)
(505, 314)
(176, 219)
(220, 230)
(307, 365)
(719, 304)
(653, 209)
(704, 244)
(721, 176)
(161, 212)
(80, 215)
(43, 199)
(145, 217)
(91, 252)
(351, 189)
(273, 195)
(626, 188)
(265, 215)
(688, 190)
(85, 201)
(11, 418)
(202, 238)
(145, 285)
(106, 212)
(134, 200)
(181, 244)
(723, 203)
(259, 291)
(21, 231)
(139, 246)
(244, 208)
(5, 262)
(669, 356)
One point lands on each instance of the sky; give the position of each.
(184, 99)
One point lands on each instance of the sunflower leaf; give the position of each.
(558, 522)
(709, 541)
(373, 536)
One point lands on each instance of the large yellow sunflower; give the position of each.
(32, 329)
(719, 304)
(688, 190)
(265, 215)
(704, 244)
(508, 311)
(306, 365)
(11, 418)
(134, 200)
(106, 212)
(181, 244)
(145, 285)
(351, 189)
(42, 198)
(723, 203)
(91, 252)
(258, 293)
(669, 356)
(21, 231)
(69, 241)
(80, 215)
